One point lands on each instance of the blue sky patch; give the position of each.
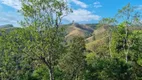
(85, 11)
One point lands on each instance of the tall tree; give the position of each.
(46, 37)
(109, 23)
(128, 15)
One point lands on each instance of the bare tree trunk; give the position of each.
(126, 43)
(50, 68)
(126, 57)
(110, 39)
(51, 73)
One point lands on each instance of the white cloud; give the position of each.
(12, 3)
(10, 18)
(97, 4)
(81, 15)
(17, 4)
(139, 7)
(81, 4)
(141, 21)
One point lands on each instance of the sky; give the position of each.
(84, 11)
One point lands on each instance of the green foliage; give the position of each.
(73, 62)
(90, 57)
(109, 69)
(117, 38)
(134, 39)
(107, 22)
(14, 62)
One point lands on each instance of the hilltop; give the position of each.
(76, 29)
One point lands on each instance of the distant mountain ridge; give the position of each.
(73, 29)
(84, 27)
(6, 26)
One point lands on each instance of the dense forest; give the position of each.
(45, 49)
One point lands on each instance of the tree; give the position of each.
(45, 40)
(118, 37)
(128, 15)
(73, 62)
(108, 23)
(15, 63)
(108, 69)
(136, 53)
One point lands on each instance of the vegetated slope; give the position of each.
(101, 37)
(76, 29)
(98, 33)
(7, 27)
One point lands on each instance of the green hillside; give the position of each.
(76, 29)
